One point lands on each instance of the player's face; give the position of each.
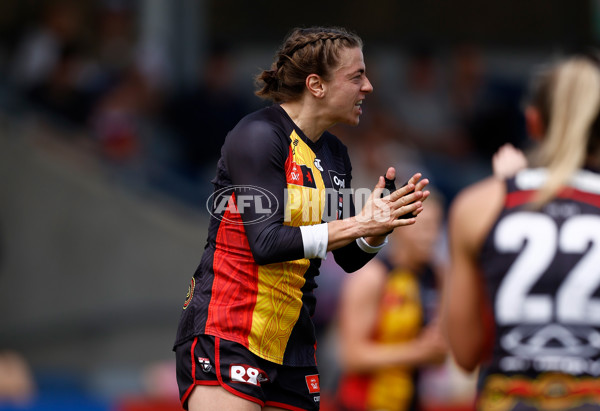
(347, 88)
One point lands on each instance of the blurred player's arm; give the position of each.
(359, 310)
(465, 325)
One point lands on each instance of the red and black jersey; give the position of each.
(542, 271)
(253, 285)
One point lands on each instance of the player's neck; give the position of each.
(306, 119)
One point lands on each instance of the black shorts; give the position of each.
(208, 360)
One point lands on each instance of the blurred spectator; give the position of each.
(116, 119)
(202, 117)
(388, 320)
(52, 67)
(130, 137)
(426, 121)
(16, 381)
(423, 108)
(487, 107)
(41, 46)
(64, 92)
(467, 79)
(115, 37)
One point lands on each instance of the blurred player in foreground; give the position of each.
(522, 295)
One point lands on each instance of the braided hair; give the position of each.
(305, 51)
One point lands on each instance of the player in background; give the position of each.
(522, 296)
(388, 319)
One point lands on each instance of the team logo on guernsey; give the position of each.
(312, 382)
(190, 293)
(204, 364)
(301, 175)
(308, 177)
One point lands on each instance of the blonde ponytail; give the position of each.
(574, 102)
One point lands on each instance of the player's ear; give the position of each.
(314, 84)
(534, 123)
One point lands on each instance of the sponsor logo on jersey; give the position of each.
(246, 374)
(238, 200)
(551, 348)
(338, 180)
(312, 382)
(204, 364)
(338, 183)
(190, 293)
(318, 165)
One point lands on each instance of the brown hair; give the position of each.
(305, 51)
(568, 98)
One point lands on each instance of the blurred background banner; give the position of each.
(112, 114)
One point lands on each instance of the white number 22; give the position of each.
(574, 302)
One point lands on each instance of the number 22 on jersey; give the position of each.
(539, 239)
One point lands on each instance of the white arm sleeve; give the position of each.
(367, 248)
(315, 239)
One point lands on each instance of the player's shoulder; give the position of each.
(476, 207)
(258, 127)
(486, 192)
(264, 118)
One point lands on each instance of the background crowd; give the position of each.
(109, 134)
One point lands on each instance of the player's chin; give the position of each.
(353, 120)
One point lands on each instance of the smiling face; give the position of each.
(347, 88)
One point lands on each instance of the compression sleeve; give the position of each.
(255, 155)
